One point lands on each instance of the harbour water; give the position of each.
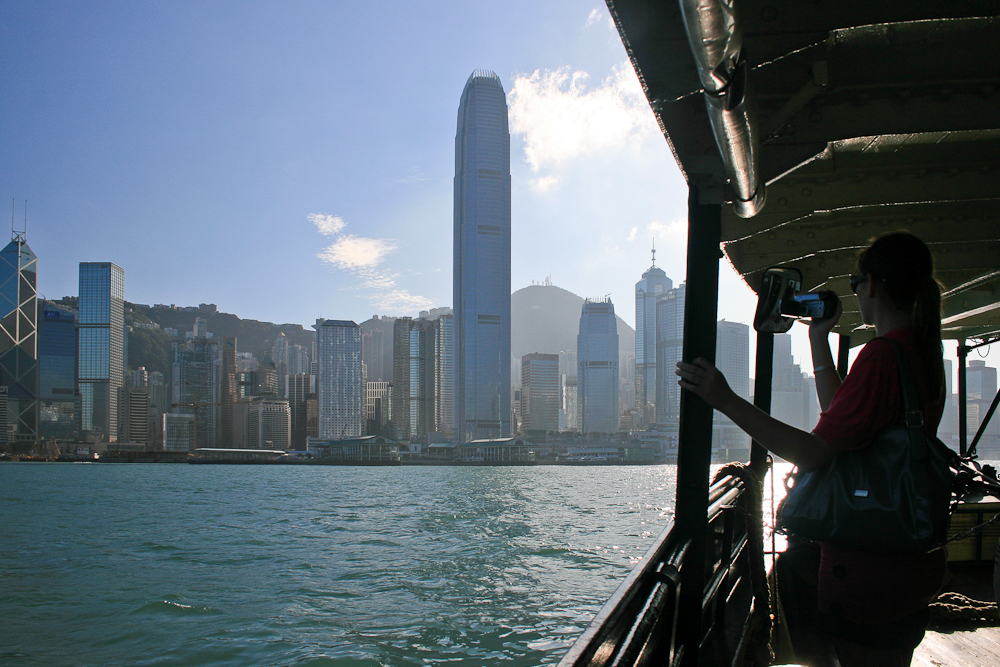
(173, 565)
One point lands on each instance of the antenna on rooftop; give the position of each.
(654, 251)
(19, 236)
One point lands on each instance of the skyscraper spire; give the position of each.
(654, 252)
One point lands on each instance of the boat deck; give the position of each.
(960, 648)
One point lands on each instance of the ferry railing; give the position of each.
(638, 625)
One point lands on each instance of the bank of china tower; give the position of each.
(482, 262)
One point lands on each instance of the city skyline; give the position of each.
(182, 139)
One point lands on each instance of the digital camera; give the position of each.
(779, 302)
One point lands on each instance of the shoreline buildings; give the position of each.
(481, 296)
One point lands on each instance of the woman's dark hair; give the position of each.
(904, 264)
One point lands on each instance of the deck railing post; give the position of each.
(694, 454)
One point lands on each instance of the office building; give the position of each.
(159, 404)
(269, 424)
(732, 357)
(421, 393)
(133, 415)
(444, 375)
(540, 399)
(481, 270)
(669, 349)
(597, 367)
(339, 384)
(101, 348)
(178, 432)
(653, 285)
(196, 371)
(19, 338)
(56, 373)
(981, 388)
(378, 409)
(229, 391)
(298, 388)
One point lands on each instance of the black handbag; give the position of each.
(893, 495)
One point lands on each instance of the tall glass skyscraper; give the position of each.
(597, 367)
(101, 352)
(57, 372)
(18, 339)
(340, 387)
(654, 284)
(669, 346)
(482, 262)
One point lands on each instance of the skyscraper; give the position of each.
(421, 368)
(101, 351)
(732, 357)
(57, 372)
(654, 284)
(482, 261)
(18, 337)
(597, 374)
(340, 389)
(669, 348)
(229, 391)
(196, 374)
(540, 392)
(297, 388)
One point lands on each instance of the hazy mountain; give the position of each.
(546, 318)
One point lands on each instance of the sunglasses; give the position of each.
(856, 282)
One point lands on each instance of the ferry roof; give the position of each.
(871, 117)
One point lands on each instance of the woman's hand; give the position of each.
(820, 329)
(707, 381)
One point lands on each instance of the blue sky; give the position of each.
(288, 161)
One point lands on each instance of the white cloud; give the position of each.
(674, 229)
(543, 184)
(362, 256)
(356, 252)
(594, 17)
(560, 119)
(632, 234)
(327, 225)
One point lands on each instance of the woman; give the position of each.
(872, 608)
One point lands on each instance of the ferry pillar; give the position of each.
(763, 372)
(963, 397)
(694, 454)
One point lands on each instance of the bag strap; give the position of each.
(913, 418)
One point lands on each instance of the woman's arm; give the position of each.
(824, 368)
(806, 450)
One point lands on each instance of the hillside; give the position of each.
(151, 347)
(546, 319)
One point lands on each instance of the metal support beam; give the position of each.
(764, 370)
(963, 397)
(694, 455)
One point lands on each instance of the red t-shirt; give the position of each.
(861, 586)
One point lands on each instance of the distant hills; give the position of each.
(546, 319)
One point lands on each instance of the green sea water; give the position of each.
(180, 565)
